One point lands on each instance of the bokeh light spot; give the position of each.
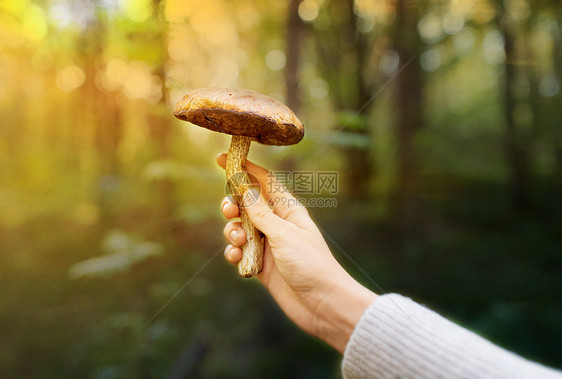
(548, 86)
(319, 89)
(138, 82)
(248, 18)
(34, 23)
(178, 10)
(60, 15)
(365, 24)
(429, 28)
(178, 49)
(308, 10)
(221, 33)
(275, 60)
(453, 23)
(365, 8)
(464, 41)
(136, 10)
(15, 6)
(388, 63)
(115, 72)
(483, 12)
(493, 47)
(430, 60)
(70, 78)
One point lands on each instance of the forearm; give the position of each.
(397, 337)
(344, 304)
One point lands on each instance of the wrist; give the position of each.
(341, 310)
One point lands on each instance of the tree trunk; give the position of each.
(295, 33)
(408, 112)
(344, 55)
(516, 152)
(161, 127)
(556, 129)
(359, 165)
(106, 117)
(293, 49)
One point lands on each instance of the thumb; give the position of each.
(261, 215)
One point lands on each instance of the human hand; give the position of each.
(299, 270)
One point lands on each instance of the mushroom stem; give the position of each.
(239, 181)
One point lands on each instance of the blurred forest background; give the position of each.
(443, 119)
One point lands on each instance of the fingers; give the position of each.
(229, 209)
(262, 216)
(283, 202)
(234, 233)
(260, 172)
(232, 254)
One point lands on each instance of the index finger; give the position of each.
(284, 204)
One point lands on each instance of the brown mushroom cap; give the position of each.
(241, 112)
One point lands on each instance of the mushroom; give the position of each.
(248, 116)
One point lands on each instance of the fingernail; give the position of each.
(233, 235)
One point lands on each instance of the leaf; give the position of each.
(123, 251)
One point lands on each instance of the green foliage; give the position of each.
(121, 253)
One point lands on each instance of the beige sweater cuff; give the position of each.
(398, 338)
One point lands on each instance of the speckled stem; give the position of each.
(238, 180)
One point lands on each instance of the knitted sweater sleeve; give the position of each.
(398, 338)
